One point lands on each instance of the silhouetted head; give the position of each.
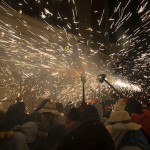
(89, 112)
(74, 114)
(59, 107)
(133, 106)
(91, 135)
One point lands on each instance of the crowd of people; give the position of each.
(96, 125)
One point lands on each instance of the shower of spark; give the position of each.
(128, 85)
(132, 29)
(47, 61)
(39, 60)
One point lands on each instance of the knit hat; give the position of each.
(120, 105)
(123, 117)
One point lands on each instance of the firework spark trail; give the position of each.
(127, 17)
(26, 41)
(37, 53)
(100, 21)
(135, 45)
(25, 52)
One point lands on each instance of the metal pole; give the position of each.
(83, 88)
(83, 92)
(20, 86)
(114, 88)
(83, 104)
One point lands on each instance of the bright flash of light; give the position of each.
(127, 85)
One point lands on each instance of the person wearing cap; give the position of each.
(139, 115)
(51, 115)
(48, 113)
(125, 133)
(60, 119)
